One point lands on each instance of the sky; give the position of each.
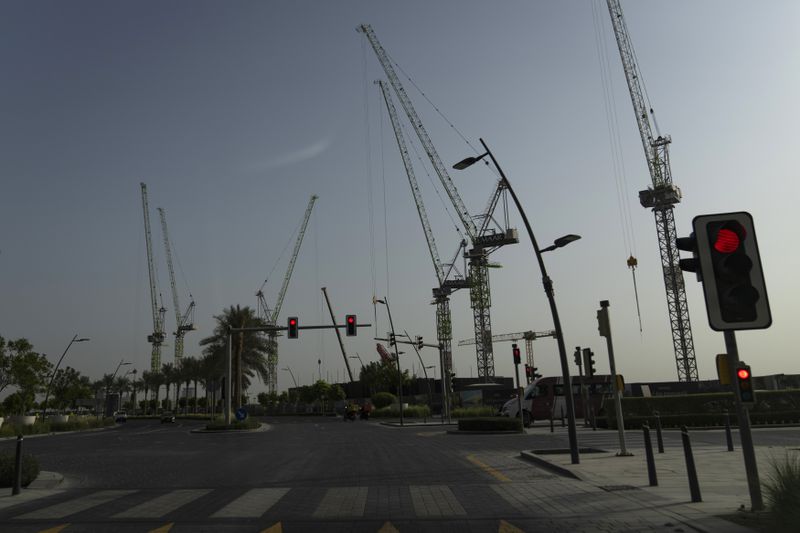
(235, 113)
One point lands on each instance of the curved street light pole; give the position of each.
(53, 377)
(385, 302)
(548, 289)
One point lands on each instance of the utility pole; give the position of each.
(604, 327)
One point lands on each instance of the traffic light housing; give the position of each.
(452, 379)
(534, 373)
(588, 362)
(420, 344)
(392, 341)
(744, 384)
(515, 352)
(292, 327)
(729, 265)
(529, 373)
(603, 325)
(350, 325)
(578, 356)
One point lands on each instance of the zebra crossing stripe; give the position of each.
(251, 504)
(158, 507)
(76, 505)
(341, 502)
(434, 500)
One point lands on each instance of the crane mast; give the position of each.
(480, 296)
(661, 197)
(183, 322)
(271, 315)
(157, 337)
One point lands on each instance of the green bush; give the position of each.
(383, 399)
(30, 469)
(74, 424)
(412, 411)
(497, 423)
(473, 412)
(783, 491)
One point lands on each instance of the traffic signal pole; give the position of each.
(605, 330)
(750, 464)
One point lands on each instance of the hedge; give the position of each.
(248, 423)
(76, 424)
(699, 410)
(30, 469)
(412, 411)
(473, 412)
(383, 399)
(497, 423)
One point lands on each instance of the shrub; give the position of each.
(783, 491)
(30, 469)
(219, 425)
(383, 399)
(473, 412)
(497, 423)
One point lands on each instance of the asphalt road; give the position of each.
(318, 474)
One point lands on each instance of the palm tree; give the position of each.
(147, 384)
(249, 350)
(211, 369)
(156, 380)
(169, 372)
(189, 371)
(122, 384)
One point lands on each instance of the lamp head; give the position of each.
(468, 162)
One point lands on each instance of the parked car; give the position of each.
(120, 416)
(167, 417)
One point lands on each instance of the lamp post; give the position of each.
(385, 302)
(356, 356)
(47, 393)
(121, 363)
(548, 289)
(291, 374)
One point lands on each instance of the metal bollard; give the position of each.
(651, 462)
(728, 435)
(551, 422)
(562, 416)
(694, 486)
(18, 469)
(659, 439)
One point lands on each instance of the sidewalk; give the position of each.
(721, 477)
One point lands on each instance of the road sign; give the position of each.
(241, 414)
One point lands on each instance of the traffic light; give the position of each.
(730, 268)
(292, 327)
(588, 362)
(515, 352)
(603, 325)
(745, 385)
(452, 379)
(420, 344)
(536, 375)
(529, 373)
(578, 356)
(350, 323)
(391, 339)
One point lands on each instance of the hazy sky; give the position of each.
(234, 113)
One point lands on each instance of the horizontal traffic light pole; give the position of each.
(398, 341)
(284, 328)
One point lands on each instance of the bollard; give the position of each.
(694, 487)
(551, 422)
(659, 439)
(651, 462)
(562, 416)
(18, 468)
(728, 436)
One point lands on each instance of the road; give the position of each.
(323, 474)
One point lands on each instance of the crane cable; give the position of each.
(370, 208)
(617, 159)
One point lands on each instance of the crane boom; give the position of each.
(412, 181)
(338, 334)
(183, 322)
(661, 197)
(416, 123)
(157, 337)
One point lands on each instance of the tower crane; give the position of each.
(446, 286)
(157, 337)
(483, 240)
(270, 316)
(528, 336)
(661, 197)
(183, 322)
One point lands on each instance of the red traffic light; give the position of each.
(351, 319)
(292, 322)
(743, 373)
(727, 241)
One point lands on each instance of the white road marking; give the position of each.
(158, 507)
(251, 504)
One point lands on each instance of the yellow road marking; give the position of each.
(163, 529)
(488, 469)
(276, 528)
(505, 527)
(388, 528)
(54, 529)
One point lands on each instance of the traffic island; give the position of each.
(498, 425)
(245, 426)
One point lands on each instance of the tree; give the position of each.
(24, 369)
(249, 350)
(378, 376)
(170, 374)
(68, 387)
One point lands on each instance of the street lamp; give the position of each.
(111, 384)
(548, 289)
(47, 393)
(291, 374)
(385, 302)
(356, 356)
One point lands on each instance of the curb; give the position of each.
(52, 433)
(547, 465)
(493, 432)
(262, 427)
(46, 480)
